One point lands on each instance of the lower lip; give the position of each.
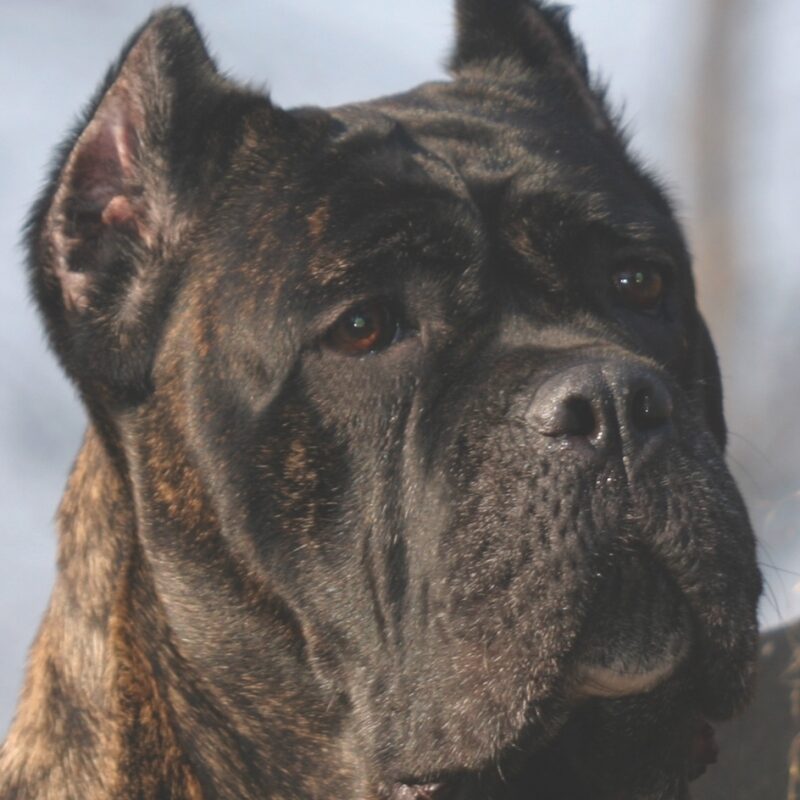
(592, 680)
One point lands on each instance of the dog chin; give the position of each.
(635, 640)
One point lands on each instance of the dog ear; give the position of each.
(531, 33)
(103, 237)
(710, 383)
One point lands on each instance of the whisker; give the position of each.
(779, 569)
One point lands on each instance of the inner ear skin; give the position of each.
(119, 213)
(97, 200)
(103, 164)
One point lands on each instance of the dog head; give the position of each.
(428, 373)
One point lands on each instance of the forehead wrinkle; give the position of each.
(635, 222)
(382, 132)
(378, 248)
(369, 203)
(492, 134)
(587, 196)
(392, 234)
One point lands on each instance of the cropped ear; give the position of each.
(534, 34)
(103, 237)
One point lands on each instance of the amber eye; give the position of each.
(640, 288)
(363, 329)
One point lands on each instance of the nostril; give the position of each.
(578, 417)
(571, 404)
(649, 409)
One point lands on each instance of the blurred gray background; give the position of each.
(711, 91)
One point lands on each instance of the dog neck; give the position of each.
(63, 726)
(112, 707)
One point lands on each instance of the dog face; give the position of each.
(429, 373)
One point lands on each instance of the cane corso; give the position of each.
(404, 475)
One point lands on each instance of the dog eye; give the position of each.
(640, 288)
(366, 328)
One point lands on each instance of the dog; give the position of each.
(404, 475)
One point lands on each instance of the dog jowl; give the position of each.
(404, 475)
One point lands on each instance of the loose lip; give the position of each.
(637, 635)
(607, 675)
(593, 680)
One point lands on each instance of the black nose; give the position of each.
(604, 403)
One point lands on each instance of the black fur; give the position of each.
(383, 574)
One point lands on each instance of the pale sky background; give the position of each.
(52, 55)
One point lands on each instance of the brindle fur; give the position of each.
(289, 573)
